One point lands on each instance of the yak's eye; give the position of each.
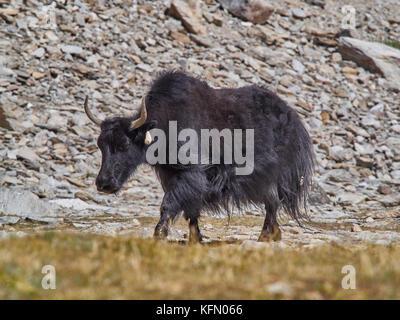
(123, 145)
(122, 148)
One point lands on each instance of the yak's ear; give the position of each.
(147, 136)
(142, 133)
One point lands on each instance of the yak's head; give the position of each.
(122, 142)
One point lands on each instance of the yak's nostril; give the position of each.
(105, 184)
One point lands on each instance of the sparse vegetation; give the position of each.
(392, 43)
(107, 267)
(389, 42)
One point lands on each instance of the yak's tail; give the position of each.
(295, 181)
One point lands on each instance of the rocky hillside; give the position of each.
(344, 83)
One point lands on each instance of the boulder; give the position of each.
(4, 123)
(21, 202)
(189, 12)
(255, 11)
(374, 56)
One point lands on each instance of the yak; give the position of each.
(283, 158)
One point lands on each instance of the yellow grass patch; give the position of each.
(97, 267)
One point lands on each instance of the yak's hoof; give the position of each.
(160, 233)
(194, 235)
(195, 238)
(268, 236)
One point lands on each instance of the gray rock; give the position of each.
(319, 3)
(76, 204)
(39, 52)
(298, 13)
(347, 198)
(2, 175)
(318, 195)
(394, 144)
(396, 128)
(9, 220)
(29, 157)
(262, 53)
(364, 149)
(72, 49)
(254, 11)
(298, 66)
(339, 175)
(315, 123)
(189, 13)
(374, 56)
(378, 110)
(338, 153)
(370, 121)
(20, 202)
(395, 174)
(366, 162)
(4, 123)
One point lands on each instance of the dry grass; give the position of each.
(112, 268)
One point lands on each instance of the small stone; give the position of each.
(325, 116)
(378, 110)
(30, 158)
(71, 49)
(254, 11)
(281, 288)
(370, 121)
(365, 162)
(299, 13)
(356, 228)
(350, 70)
(319, 3)
(189, 13)
(21, 202)
(347, 198)
(298, 66)
(286, 81)
(37, 75)
(180, 37)
(9, 11)
(39, 52)
(201, 40)
(304, 105)
(364, 149)
(390, 200)
(383, 189)
(395, 128)
(369, 220)
(336, 57)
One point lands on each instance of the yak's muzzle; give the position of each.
(107, 184)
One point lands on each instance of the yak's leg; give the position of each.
(270, 230)
(168, 210)
(194, 230)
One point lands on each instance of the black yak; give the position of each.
(282, 155)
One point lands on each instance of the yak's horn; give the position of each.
(143, 116)
(90, 114)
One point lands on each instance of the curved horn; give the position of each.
(89, 113)
(143, 116)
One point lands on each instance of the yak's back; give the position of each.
(177, 86)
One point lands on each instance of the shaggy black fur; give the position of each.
(283, 157)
